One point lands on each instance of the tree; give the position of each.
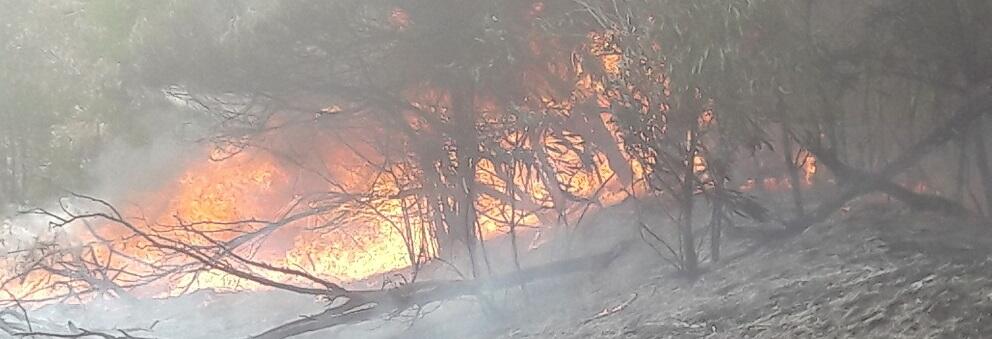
(465, 119)
(63, 94)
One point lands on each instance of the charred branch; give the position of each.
(368, 305)
(979, 103)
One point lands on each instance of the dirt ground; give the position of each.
(876, 272)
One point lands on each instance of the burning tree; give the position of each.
(578, 95)
(350, 139)
(448, 116)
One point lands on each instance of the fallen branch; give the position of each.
(366, 305)
(612, 310)
(865, 180)
(83, 333)
(979, 103)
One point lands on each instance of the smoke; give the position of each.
(124, 168)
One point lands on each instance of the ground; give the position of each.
(875, 272)
(878, 272)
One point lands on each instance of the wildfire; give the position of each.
(367, 246)
(227, 191)
(393, 230)
(809, 168)
(399, 19)
(385, 227)
(609, 54)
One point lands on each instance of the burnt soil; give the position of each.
(875, 272)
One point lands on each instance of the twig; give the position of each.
(612, 310)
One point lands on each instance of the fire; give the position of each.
(351, 255)
(209, 195)
(610, 56)
(227, 191)
(809, 168)
(380, 237)
(393, 230)
(385, 227)
(399, 19)
(495, 212)
(250, 189)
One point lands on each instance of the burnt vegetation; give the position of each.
(432, 146)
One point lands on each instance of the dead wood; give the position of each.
(851, 176)
(611, 310)
(80, 333)
(76, 332)
(982, 162)
(368, 305)
(862, 182)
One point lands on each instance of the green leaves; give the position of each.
(62, 90)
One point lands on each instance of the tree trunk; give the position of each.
(982, 160)
(716, 221)
(788, 155)
(718, 168)
(548, 177)
(690, 259)
(759, 174)
(977, 106)
(5, 176)
(467, 217)
(511, 190)
(962, 175)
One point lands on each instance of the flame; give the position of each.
(809, 169)
(610, 56)
(254, 186)
(227, 191)
(399, 19)
(391, 229)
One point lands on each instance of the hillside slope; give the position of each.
(876, 273)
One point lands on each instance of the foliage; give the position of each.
(64, 93)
